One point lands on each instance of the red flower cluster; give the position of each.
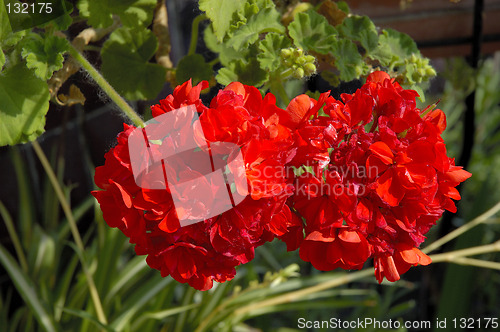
(375, 177)
(387, 182)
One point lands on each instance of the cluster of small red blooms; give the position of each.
(205, 251)
(377, 179)
(386, 184)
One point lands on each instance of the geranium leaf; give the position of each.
(25, 101)
(245, 72)
(227, 54)
(133, 13)
(312, 32)
(393, 47)
(44, 55)
(194, 67)
(2, 59)
(266, 20)
(348, 60)
(270, 47)
(125, 63)
(220, 12)
(362, 29)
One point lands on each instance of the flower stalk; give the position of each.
(106, 87)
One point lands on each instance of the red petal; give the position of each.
(378, 77)
(349, 236)
(383, 151)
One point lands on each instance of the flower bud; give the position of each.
(300, 60)
(298, 73)
(309, 69)
(286, 53)
(297, 53)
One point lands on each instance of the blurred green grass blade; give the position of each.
(180, 324)
(78, 212)
(9, 224)
(107, 260)
(135, 269)
(26, 202)
(214, 300)
(50, 202)
(26, 290)
(86, 316)
(161, 315)
(139, 299)
(16, 319)
(63, 286)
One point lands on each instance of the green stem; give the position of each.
(452, 255)
(74, 229)
(276, 87)
(9, 224)
(194, 33)
(300, 294)
(214, 62)
(106, 87)
(462, 229)
(476, 262)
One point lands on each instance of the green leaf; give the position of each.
(125, 63)
(312, 32)
(220, 12)
(2, 59)
(266, 20)
(270, 47)
(194, 67)
(227, 75)
(362, 29)
(44, 55)
(227, 54)
(132, 13)
(25, 101)
(245, 72)
(393, 47)
(62, 22)
(5, 28)
(27, 291)
(348, 60)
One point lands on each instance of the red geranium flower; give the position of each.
(365, 178)
(386, 187)
(207, 250)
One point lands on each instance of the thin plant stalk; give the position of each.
(194, 33)
(462, 229)
(74, 230)
(106, 87)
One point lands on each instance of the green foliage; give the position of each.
(25, 101)
(226, 53)
(132, 13)
(360, 29)
(44, 54)
(125, 63)
(270, 50)
(194, 67)
(348, 60)
(220, 13)
(2, 60)
(393, 47)
(245, 71)
(312, 32)
(266, 20)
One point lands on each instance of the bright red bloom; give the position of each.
(207, 250)
(365, 178)
(388, 185)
